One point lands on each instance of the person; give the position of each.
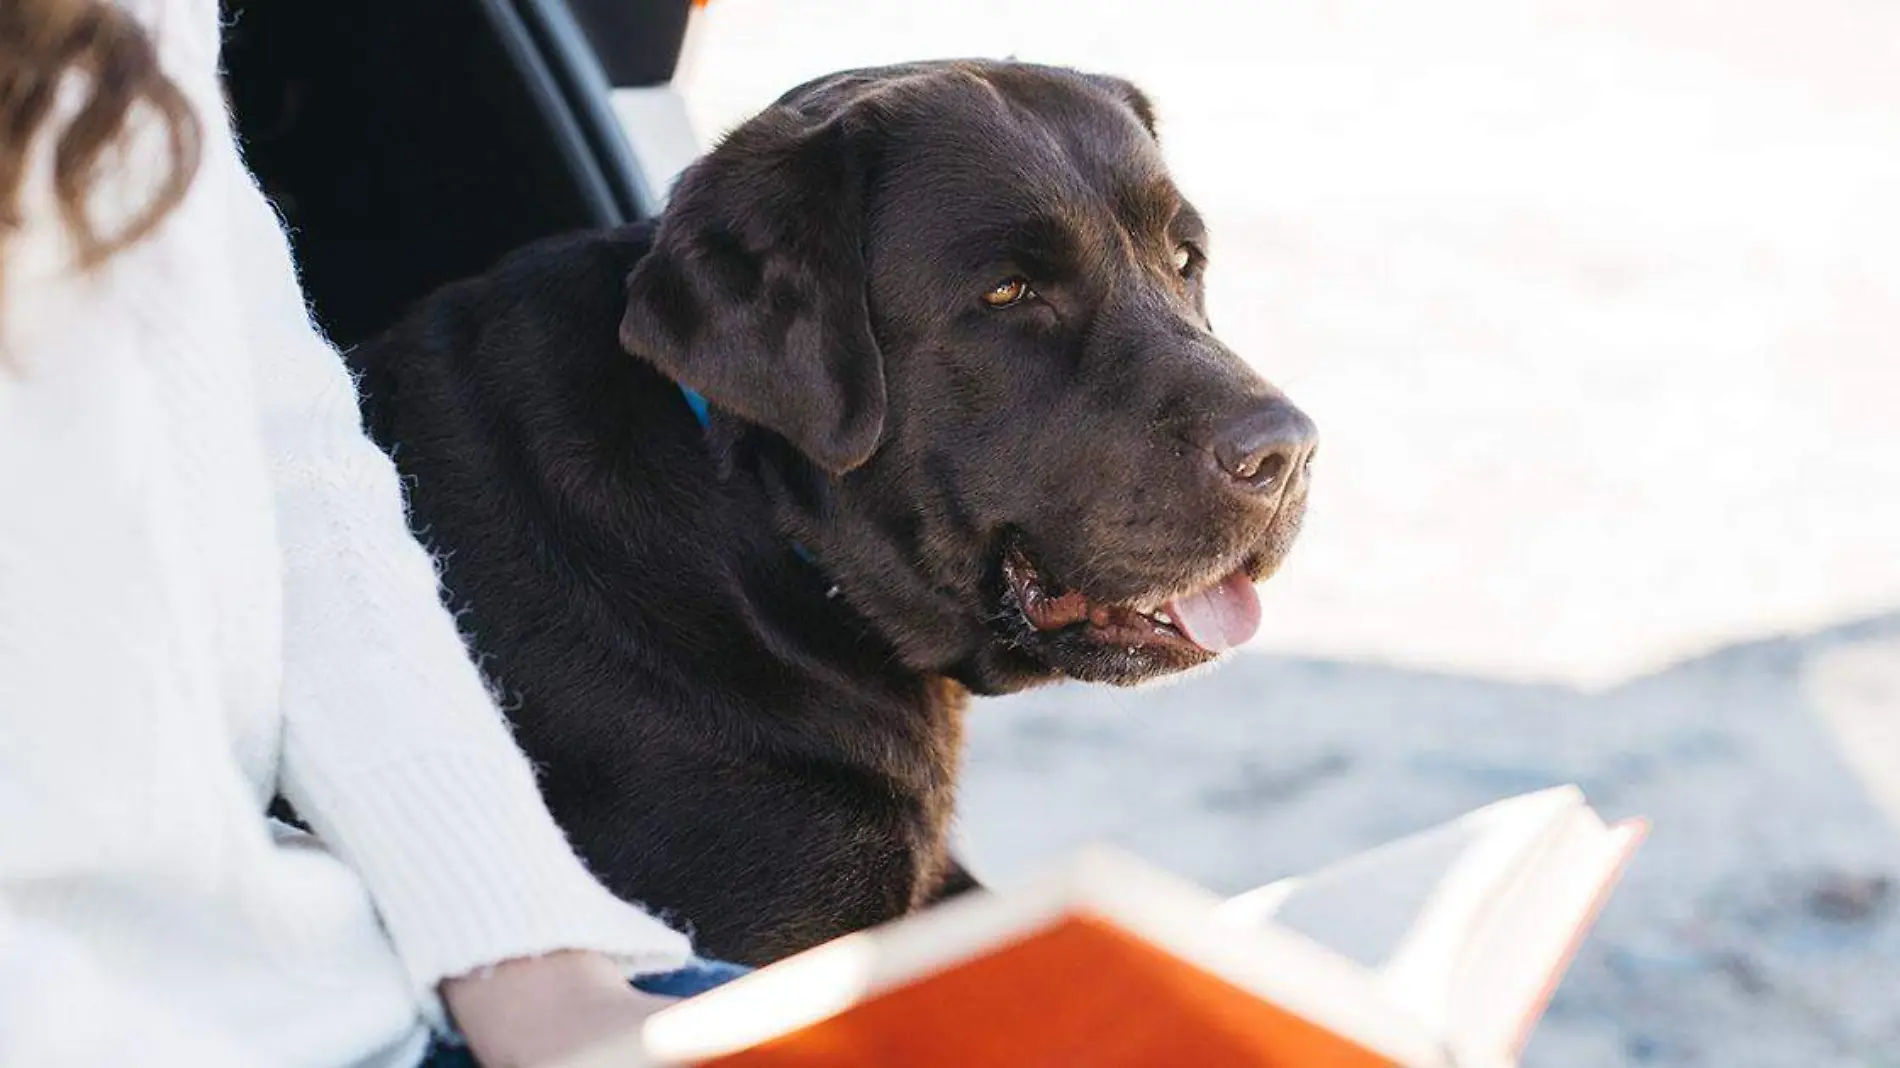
(209, 598)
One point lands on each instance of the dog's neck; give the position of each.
(702, 410)
(868, 567)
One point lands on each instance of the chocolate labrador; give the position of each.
(910, 394)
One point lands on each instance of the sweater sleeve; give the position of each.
(393, 749)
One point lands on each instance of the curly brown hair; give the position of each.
(42, 44)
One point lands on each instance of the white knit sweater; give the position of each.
(208, 595)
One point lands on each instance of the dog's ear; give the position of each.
(754, 293)
(1134, 99)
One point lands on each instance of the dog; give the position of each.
(910, 394)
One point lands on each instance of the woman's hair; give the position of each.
(106, 54)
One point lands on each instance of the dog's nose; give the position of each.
(1266, 450)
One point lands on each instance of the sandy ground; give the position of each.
(1598, 307)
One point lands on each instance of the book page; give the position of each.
(1508, 972)
(1404, 908)
(1469, 926)
(1362, 907)
(1511, 842)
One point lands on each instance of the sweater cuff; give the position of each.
(468, 872)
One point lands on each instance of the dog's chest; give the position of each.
(940, 767)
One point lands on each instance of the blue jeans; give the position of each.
(697, 977)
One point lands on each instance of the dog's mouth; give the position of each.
(1202, 623)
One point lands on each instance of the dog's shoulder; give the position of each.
(587, 257)
(540, 283)
(551, 305)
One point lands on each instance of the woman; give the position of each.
(208, 597)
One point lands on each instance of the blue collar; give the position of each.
(703, 412)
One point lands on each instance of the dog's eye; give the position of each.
(1187, 260)
(1004, 294)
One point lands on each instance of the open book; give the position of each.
(1437, 951)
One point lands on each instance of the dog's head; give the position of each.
(967, 301)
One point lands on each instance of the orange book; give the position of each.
(1437, 951)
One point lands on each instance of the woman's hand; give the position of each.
(534, 1011)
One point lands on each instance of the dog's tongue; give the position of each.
(1221, 617)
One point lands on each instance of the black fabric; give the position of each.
(409, 145)
(573, 60)
(638, 41)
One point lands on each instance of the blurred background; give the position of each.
(1598, 308)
